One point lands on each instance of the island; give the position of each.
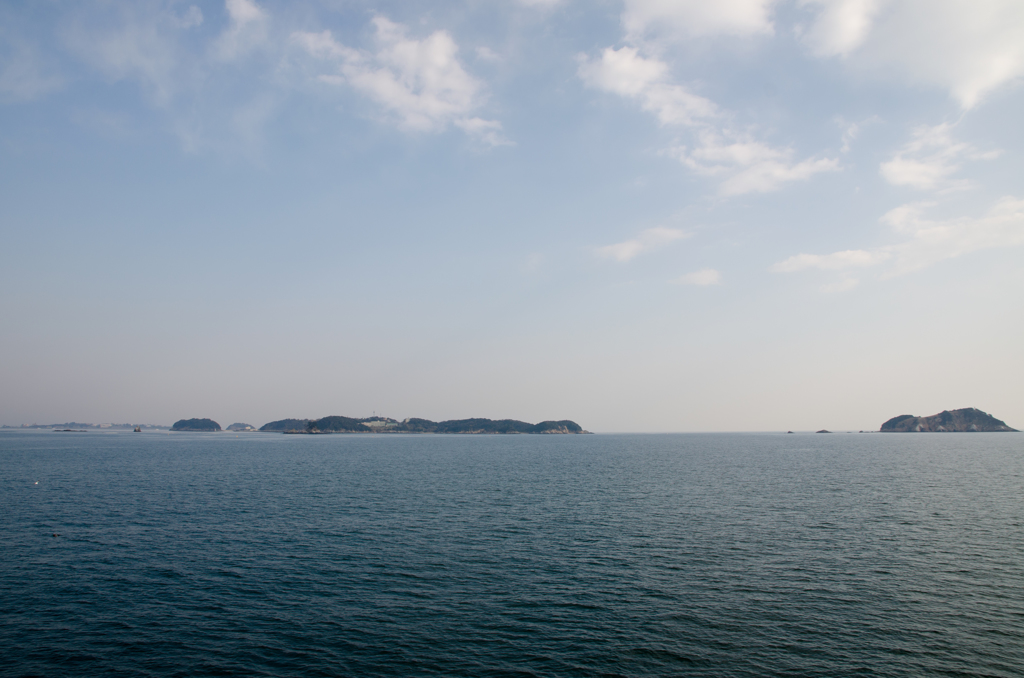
(285, 426)
(339, 424)
(967, 420)
(195, 425)
(78, 426)
(241, 427)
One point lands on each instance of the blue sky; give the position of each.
(642, 215)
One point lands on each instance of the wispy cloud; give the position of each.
(851, 130)
(247, 29)
(419, 83)
(651, 239)
(930, 158)
(624, 72)
(832, 262)
(140, 43)
(928, 241)
(487, 131)
(747, 165)
(487, 54)
(744, 164)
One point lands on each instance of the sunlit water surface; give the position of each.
(615, 555)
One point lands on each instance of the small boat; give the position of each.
(138, 429)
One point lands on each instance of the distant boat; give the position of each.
(138, 429)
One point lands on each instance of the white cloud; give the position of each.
(935, 241)
(487, 54)
(967, 48)
(419, 82)
(851, 130)
(929, 241)
(247, 29)
(142, 45)
(922, 174)
(622, 71)
(155, 44)
(696, 18)
(651, 239)
(626, 73)
(486, 131)
(748, 165)
(831, 262)
(702, 278)
(744, 164)
(841, 25)
(929, 159)
(323, 46)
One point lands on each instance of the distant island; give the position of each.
(339, 424)
(79, 426)
(195, 425)
(285, 426)
(967, 420)
(241, 427)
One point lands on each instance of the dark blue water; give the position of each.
(263, 554)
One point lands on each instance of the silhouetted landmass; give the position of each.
(283, 425)
(415, 425)
(195, 425)
(241, 427)
(483, 426)
(967, 420)
(338, 424)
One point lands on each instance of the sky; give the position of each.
(641, 215)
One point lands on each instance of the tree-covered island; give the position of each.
(339, 424)
(195, 425)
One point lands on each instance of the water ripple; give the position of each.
(745, 555)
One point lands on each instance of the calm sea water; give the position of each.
(613, 555)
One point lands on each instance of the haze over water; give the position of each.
(631, 555)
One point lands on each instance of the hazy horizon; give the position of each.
(643, 216)
(224, 424)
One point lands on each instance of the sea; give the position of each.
(253, 554)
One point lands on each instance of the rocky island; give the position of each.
(339, 424)
(195, 425)
(968, 420)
